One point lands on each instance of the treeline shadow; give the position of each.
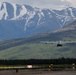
(38, 61)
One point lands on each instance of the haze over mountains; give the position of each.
(20, 21)
(66, 33)
(32, 48)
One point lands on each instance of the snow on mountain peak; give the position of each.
(27, 20)
(3, 11)
(15, 8)
(22, 11)
(0, 5)
(10, 11)
(25, 11)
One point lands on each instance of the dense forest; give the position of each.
(39, 61)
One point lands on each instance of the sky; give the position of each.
(56, 4)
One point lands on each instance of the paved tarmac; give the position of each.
(36, 72)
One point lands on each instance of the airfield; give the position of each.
(36, 72)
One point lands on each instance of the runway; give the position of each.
(36, 72)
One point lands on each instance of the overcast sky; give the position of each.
(44, 3)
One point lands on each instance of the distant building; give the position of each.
(59, 45)
(29, 66)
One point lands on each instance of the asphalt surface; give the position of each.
(36, 72)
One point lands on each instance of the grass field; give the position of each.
(38, 51)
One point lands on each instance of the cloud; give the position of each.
(73, 2)
(50, 3)
(44, 3)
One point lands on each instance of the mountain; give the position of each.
(19, 21)
(32, 48)
(65, 33)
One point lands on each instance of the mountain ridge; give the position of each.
(32, 48)
(33, 20)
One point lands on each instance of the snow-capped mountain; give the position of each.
(18, 21)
